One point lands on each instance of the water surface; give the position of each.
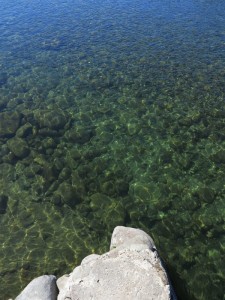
(112, 113)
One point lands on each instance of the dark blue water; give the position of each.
(112, 113)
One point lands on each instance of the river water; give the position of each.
(112, 113)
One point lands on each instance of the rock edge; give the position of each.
(131, 270)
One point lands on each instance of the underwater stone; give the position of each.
(64, 174)
(206, 194)
(79, 135)
(105, 137)
(57, 200)
(24, 130)
(91, 153)
(4, 150)
(26, 219)
(59, 164)
(110, 211)
(49, 174)
(132, 128)
(219, 157)
(48, 132)
(32, 170)
(78, 184)
(52, 119)
(114, 215)
(3, 78)
(98, 201)
(49, 151)
(9, 123)
(3, 103)
(140, 191)
(18, 147)
(74, 153)
(48, 143)
(68, 194)
(122, 187)
(108, 188)
(7, 171)
(3, 203)
(16, 103)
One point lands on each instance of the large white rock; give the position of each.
(131, 270)
(40, 288)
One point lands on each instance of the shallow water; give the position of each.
(112, 113)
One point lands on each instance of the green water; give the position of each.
(112, 113)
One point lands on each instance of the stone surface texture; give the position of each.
(41, 288)
(131, 270)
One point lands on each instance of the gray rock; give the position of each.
(62, 281)
(131, 270)
(41, 288)
(129, 238)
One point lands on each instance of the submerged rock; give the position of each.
(18, 147)
(24, 130)
(219, 157)
(206, 194)
(3, 78)
(3, 103)
(52, 119)
(79, 135)
(3, 203)
(67, 194)
(140, 191)
(110, 212)
(9, 123)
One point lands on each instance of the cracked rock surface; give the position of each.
(131, 269)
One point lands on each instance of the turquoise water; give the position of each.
(112, 113)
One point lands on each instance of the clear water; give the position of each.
(112, 113)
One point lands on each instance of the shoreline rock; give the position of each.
(131, 270)
(40, 288)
